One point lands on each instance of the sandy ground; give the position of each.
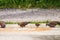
(30, 32)
(20, 34)
(28, 28)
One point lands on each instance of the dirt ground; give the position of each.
(30, 32)
(27, 28)
(24, 29)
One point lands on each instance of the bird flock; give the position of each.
(51, 24)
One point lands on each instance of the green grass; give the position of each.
(11, 22)
(24, 4)
(30, 22)
(18, 22)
